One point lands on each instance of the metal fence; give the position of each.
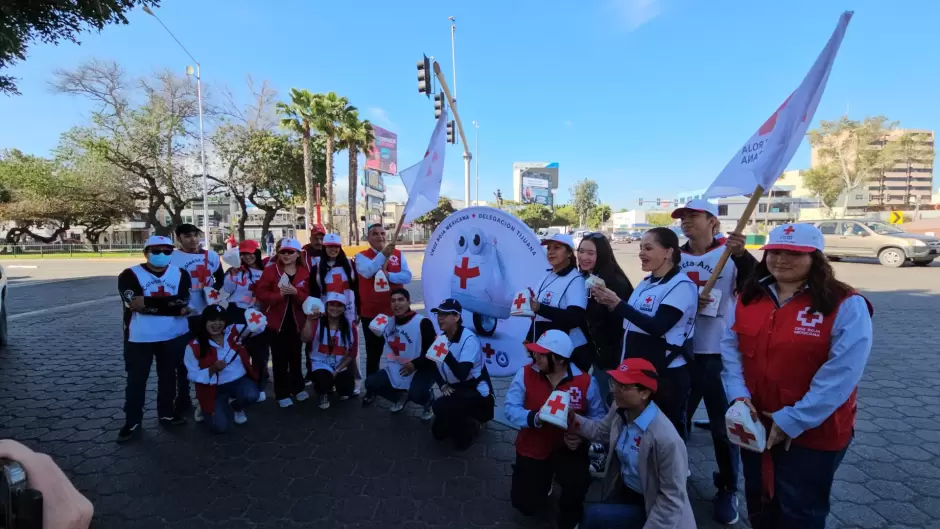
(68, 250)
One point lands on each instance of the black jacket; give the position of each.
(603, 327)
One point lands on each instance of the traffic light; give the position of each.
(499, 198)
(451, 138)
(641, 201)
(659, 202)
(438, 105)
(424, 76)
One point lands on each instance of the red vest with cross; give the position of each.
(539, 443)
(205, 393)
(373, 303)
(781, 351)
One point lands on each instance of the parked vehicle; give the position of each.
(871, 238)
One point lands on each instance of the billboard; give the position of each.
(384, 155)
(373, 179)
(537, 185)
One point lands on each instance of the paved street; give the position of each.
(61, 392)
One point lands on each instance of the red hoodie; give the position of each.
(273, 304)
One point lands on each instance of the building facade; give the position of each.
(535, 182)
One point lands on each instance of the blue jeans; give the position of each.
(419, 392)
(613, 516)
(802, 486)
(705, 374)
(244, 393)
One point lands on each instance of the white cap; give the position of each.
(332, 239)
(158, 240)
(553, 341)
(696, 205)
(290, 244)
(335, 296)
(795, 238)
(562, 238)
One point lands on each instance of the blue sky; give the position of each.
(647, 97)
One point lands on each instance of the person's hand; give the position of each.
(704, 301)
(605, 296)
(573, 441)
(573, 424)
(315, 314)
(407, 369)
(136, 304)
(389, 248)
(735, 243)
(185, 311)
(446, 390)
(776, 435)
(288, 290)
(63, 507)
(533, 301)
(747, 402)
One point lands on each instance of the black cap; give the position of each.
(214, 312)
(449, 305)
(183, 229)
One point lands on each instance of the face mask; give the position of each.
(158, 259)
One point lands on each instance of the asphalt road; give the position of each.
(61, 391)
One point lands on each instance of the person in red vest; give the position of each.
(544, 452)
(379, 256)
(219, 365)
(795, 352)
(311, 250)
(281, 291)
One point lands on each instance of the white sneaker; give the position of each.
(324, 402)
(302, 396)
(399, 404)
(261, 397)
(197, 414)
(428, 413)
(285, 403)
(240, 417)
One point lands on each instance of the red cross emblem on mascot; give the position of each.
(479, 282)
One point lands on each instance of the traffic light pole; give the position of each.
(463, 138)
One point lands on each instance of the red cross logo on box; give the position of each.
(742, 434)
(519, 301)
(255, 318)
(556, 405)
(440, 350)
(381, 320)
(381, 283)
(213, 295)
(465, 272)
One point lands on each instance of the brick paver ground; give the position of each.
(61, 392)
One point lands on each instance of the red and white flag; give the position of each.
(767, 153)
(423, 180)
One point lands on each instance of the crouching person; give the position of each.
(220, 366)
(545, 452)
(334, 349)
(647, 467)
(408, 373)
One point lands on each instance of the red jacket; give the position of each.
(781, 351)
(273, 304)
(205, 393)
(539, 443)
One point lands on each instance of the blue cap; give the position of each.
(449, 305)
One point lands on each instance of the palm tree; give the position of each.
(328, 112)
(296, 116)
(355, 136)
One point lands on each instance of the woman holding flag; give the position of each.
(798, 344)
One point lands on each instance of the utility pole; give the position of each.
(476, 146)
(453, 104)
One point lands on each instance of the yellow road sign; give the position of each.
(897, 217)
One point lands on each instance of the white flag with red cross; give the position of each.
(520, 304)
(439, 349)
(423, 180)
(766, 154)
(378, 324)
(743, 430)
(255, 321)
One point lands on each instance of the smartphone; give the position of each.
(20, 507)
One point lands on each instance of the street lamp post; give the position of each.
(202, 134)
(476, 146)
(466, 152)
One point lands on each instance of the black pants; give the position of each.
(532, 480)
(287, 361)
(418, 392)
(324, 382)
(374, 346)
(673, 397)
(705, 375)
(457, 416)
(138, 358)
(257, 346)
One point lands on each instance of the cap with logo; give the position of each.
(561, 238)
(448, 306)
(290, 244)
(248, 246)
(803, 238)
(636, 371)
(158, 240)
(332, 239)
(552, 341)
(697, 205)
(318, 230)
(335, 297)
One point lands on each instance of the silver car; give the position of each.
(871, 238)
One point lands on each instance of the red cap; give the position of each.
(318, 229)
(636, 371)
(248, 246)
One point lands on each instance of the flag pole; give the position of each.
(453, 108)
(398, 228)
(742, 223)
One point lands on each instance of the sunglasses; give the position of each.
(287, 252)
(155, 251)
(594, 235)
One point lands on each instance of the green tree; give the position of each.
(583, 199)
(52, 21)
(432, 219)
(825, 182)
(276, 174)
(356, 136)
(329, 110)
(659, 219)
(536, 216)
(565, 216)
(853, 150)
(297, 117)
(599, 216)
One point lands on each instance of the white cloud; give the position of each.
(635, 13)
(395, 192)
(380, 117)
